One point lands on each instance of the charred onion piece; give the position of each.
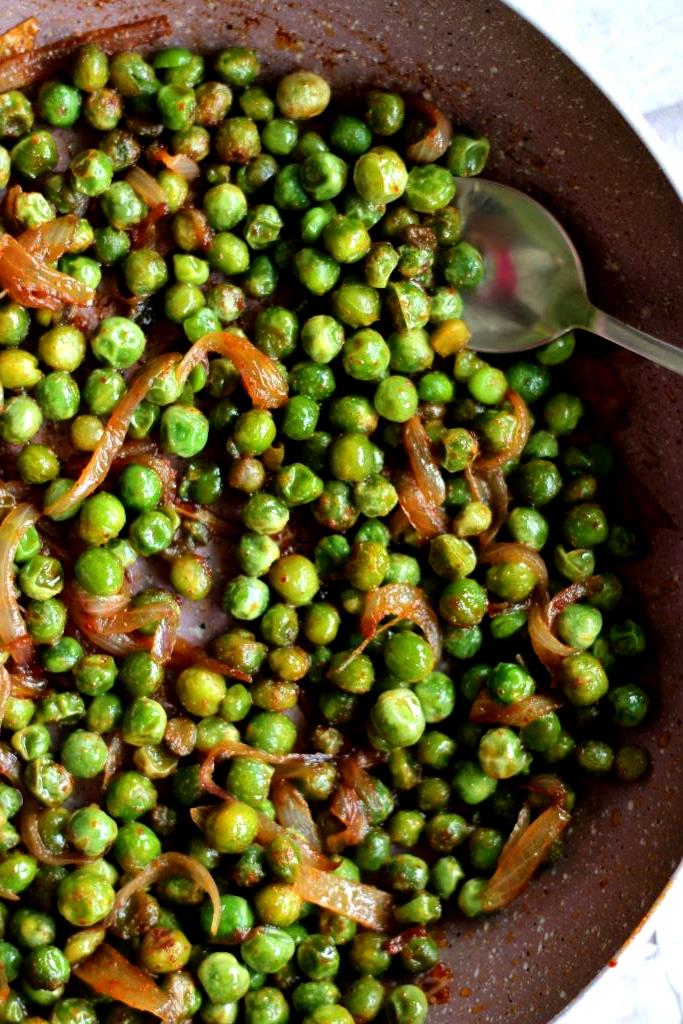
(21, 70)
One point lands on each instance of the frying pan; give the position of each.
(554, 134)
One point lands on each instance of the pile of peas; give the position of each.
(310, 230)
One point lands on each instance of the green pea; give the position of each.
(302, 95)
(35, 155)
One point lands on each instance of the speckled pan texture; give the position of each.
(556, 136)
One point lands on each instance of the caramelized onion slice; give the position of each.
(165, 866)
(405, 602)
(293, 812)
(30, 283)
(365, 904)
(522, 858)
(438, 138)
(264, 379)
(51, 240)
(5, 690)
(108, 973)
(550, 650)
(179, 163)
(34, 65)
(113, 437)
(520, 435)
(147, 187)
(497, 498)
(425, 516)
(348, 806)
(489, 711)
(18, 39)
(505, 553)
(13, 635)
(422, 463)
(287, 763)
(33, 841)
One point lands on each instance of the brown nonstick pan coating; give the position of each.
(554, 134)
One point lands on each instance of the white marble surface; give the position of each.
(634, 50)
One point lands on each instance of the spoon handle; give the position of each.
(642, 344)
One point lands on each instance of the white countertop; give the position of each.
(634, 51)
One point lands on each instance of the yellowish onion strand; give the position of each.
(113, 437)
(108, 973)
(423, 464)
(522, 858)
(437, 139)
(406, 602)
(365, 904)
(264, 379)
(511, 552)
(169, 865)
(293, 812)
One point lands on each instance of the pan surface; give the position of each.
(554, 134)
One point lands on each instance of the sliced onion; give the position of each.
(147, 187)
(143, 236)
(165, 866)
(51, 240)
(549, 650)
(179, 163)
(522, 858)
(498, 500)
(165, 635)
(13, 635)
(354, 775)
(185, 653)
(263, 378)
(506, 553)
(434, 144)
(350, 809)
(32, 66)
(26, 687)
(33, 841)
(112, 439)
(367, 905)
(108, 973)
(422, 463)
(292, 812)
(234, 748)
(406, 602)
(492, 712)
(18, 39)
(426, 517)
(5, 690)
(114, 759)
(520, 435)
(30, 283)
(219, 527)
(10, 765)
(550, 786)
(521, 825)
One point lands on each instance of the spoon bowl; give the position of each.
(534, 287)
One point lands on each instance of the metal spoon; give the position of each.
(534, 287)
